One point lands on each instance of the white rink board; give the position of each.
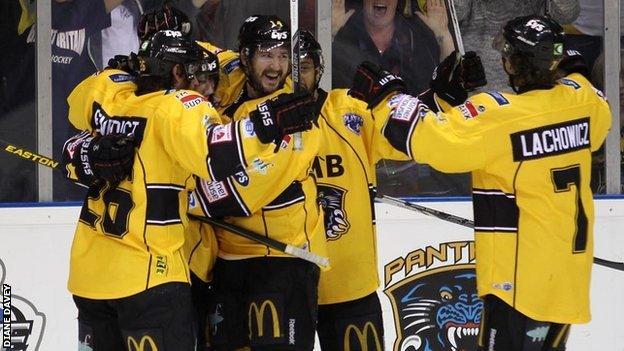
(35, 243)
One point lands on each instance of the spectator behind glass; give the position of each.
(480, 21)
(18, 112)
(585, 33)
(409, 47)
(218, 20)
(379, 33)
(598, 168)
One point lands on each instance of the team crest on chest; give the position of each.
(353, 122)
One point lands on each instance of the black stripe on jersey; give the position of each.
(550, 140)
(494, 211)
(292, 194)
(403, 119)
(162, 204)
(223, 149)
(220, 199)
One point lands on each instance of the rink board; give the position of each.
(419, 257)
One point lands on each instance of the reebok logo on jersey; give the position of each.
(551, 140)
(221, 134)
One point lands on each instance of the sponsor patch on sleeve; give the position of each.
(404, 107)
(470, 110)
(221, 134)
(248, 129)
(500, 99)
(230, 66)
(215, 191)
(120, 78)
(189, 100)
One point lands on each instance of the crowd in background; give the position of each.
(407, 37)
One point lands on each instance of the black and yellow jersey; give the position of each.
(129, 237)
(276, 197)
(351, 145)
(231, 75)
(530, 157)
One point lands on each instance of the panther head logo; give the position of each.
(437, 310)
(331, 199)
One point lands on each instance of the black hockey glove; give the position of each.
(128, 64)
(166, 17)
(283, 114)
(108, 158)
(372, 84)
(573, 62)
(455, 76)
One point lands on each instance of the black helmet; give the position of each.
(164, 49)
(538, 39)
(166, 17)
(206, 68)
(263, 32)
(309, 46)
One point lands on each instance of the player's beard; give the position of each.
(263, 85)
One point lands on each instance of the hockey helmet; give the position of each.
(309, 47)
(263, 32)
(538, 39)
(207, 68)
(166, 48)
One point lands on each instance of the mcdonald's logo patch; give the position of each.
(265, 326)
(364, 338)
(143, 342)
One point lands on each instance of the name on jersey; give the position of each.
(107, 125)
(551, 140)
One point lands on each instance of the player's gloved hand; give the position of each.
(455, 76)
(282, 115)
(573, 62)
(167, 17)
(372, 84)
(125, 63)
(104, 157)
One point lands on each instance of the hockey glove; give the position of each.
(372, 84)
(128, 64)
(455, 76)
(283, 114)
(166, 17)
(108, 158)
(573, 62)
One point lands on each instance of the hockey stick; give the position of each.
(459, 43)
(294, 60)
(468, 223)
(272, 243)
(425, 210)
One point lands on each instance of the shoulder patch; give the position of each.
(232, 65)
(469, 110)
(121, 78)
(499, 98)
(569, 82)
(353, 122)
(221, 134)
(189, 99)
(248, 128)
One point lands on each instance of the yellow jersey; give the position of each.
(129, 238)
(344, 168)
(530, 157)
(276, 197)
